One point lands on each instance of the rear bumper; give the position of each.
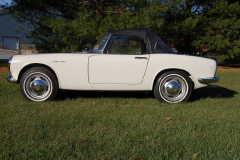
(11, 79)
(207, 81)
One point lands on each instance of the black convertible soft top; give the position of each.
(156, 44)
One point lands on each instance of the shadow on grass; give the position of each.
(212, 92)
(218, 92)
(67, 94)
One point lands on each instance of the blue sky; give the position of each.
(5, 1)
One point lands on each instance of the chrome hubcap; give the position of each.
(38, 86)
(173, 88)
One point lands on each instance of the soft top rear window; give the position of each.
(161, 47)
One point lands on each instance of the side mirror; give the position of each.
(86, 49)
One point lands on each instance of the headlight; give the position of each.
(10, 60)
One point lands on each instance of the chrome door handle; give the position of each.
(140, 57)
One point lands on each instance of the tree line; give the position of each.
(191, 25)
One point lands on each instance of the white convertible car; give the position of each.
(122, 60)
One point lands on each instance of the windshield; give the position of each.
(99, 46)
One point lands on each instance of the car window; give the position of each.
(161, 47)
(126, 45)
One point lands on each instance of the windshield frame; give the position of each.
(106, 36)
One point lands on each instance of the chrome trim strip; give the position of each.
(11, 79)
(208, 80)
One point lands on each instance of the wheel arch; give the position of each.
(27, 67)
(167, 70)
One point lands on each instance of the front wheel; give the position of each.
(173, 87)
(38, 84)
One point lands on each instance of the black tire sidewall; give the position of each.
(45, 72)
(180, 74)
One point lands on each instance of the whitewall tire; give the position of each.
(38, 84)
(173, 87)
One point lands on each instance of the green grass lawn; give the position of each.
(121, 125)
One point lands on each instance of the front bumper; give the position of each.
(207, 81)
(11, 79)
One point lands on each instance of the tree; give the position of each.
(221, 32)
(70, 25)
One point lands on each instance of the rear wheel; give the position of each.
(38, 84)
(173, 87)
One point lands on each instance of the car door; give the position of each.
(124, 62)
